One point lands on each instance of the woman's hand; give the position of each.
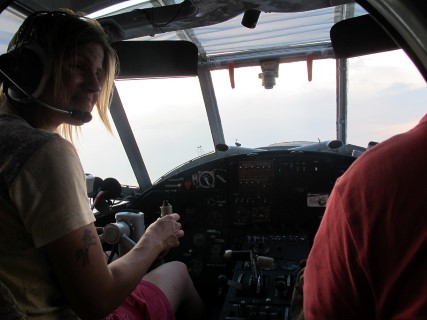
(164, 232)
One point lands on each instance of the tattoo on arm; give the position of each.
(83, 254)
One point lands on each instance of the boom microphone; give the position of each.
(82, 116)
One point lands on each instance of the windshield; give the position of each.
(169, 121)
(386, 96)
(294, 110)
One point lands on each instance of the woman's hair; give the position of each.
(59, 33)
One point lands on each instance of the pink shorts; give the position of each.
(146, 302)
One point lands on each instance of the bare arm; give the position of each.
(93, 288)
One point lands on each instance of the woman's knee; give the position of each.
(169, 271)
(177, 265)
(173, 279)
(179, 268)
(181, 277)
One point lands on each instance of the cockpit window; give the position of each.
(294, 109)
(386, 96)
(168, 119)
(11, 20)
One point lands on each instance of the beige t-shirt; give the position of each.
(50, 200)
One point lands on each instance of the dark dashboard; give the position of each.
(267, 204)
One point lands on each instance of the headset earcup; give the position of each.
(27, 68)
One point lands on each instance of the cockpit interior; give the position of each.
(249, 214)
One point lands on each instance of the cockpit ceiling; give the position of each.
(214, 11)
(275, 35)
(289, 29)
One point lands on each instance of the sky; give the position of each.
(386, 96)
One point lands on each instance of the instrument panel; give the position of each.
(269, 203)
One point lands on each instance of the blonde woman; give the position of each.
(59, 67)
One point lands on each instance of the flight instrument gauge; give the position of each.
(206, 179)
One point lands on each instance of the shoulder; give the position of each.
(56, 159)
(402, 156)
(19, 140)
(18, 143)
(50, 192)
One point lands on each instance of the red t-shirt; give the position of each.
(369, 257)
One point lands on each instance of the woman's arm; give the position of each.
(93, 288)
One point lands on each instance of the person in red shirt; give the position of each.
(369, 256)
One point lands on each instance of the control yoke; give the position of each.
(125, 232)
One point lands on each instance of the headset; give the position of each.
(24, 69)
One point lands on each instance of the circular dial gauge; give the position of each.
(206, 179)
